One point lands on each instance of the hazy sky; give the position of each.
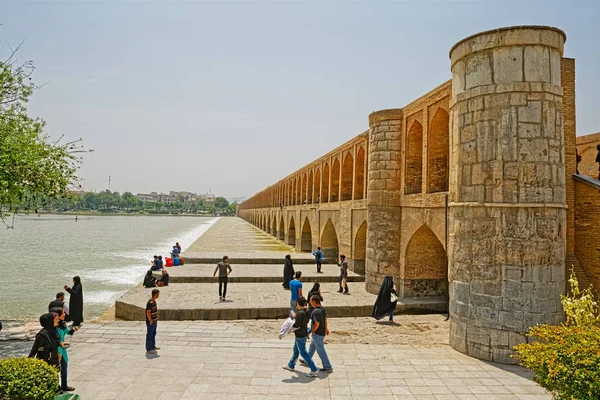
(234, 96)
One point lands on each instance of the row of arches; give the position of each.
(330, 181)
(437, 155)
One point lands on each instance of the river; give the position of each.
(110, 253)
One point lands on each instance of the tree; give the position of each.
(32, 166)
(221, 203)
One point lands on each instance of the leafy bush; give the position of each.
(27, 379)
(565, 359)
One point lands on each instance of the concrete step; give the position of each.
(200, 301)
(262, 257)
(256, 273)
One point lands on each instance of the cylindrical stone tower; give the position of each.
(383, 199)
(507, 188)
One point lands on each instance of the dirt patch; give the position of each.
(420, 330)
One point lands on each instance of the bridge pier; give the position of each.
(507, 188)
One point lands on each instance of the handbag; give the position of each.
(393, 297)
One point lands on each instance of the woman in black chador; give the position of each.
(288, 272)
(76, 301)
(386, 300)
(45, 346)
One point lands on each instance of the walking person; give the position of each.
(301, 333)
(296, 291)
(224, 270)
(318, 259)
(319, 330)
(63, 330)
(316, 290)
(152, 322)
(343, 280)
(288, 272)
(76, 301)
(386, 301)
(60, 303)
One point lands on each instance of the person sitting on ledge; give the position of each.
(176, 260)
(159, 262)
(156, 266)
(149, 279)
(164, 279)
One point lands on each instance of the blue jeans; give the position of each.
(300, 350)
(151, 335)
(392, 315)
(318, 343)
(63, 374)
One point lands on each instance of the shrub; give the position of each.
(565, 359)
(27, 379)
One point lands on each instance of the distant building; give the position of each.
(174, 196)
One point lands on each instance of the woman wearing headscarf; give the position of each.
(45, 346)
(288, 272)
(76, 301)
(316, 289)
(149, 279)
(386, 300)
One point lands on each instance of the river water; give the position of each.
(110, 253)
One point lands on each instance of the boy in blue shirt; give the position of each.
(295, 290)
(318, 258)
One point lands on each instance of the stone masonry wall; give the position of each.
(383, 197)
(587, 221)
(507, 189)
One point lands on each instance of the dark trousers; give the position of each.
(63, 374)
(222, 286)
(318, 266)
(340, 282)
(151, 335)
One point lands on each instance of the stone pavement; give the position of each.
(215, 360)
(200, 301)
(247, 273)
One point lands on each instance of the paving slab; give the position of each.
(255, 273)
(253, 370)
(199, 301)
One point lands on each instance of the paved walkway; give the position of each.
(215, 360)
(266, 273)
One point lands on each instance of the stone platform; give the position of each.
(256, 273)
(264, 257)
(200, 301)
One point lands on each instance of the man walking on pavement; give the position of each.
(152, 322)
(319, 330)
(318, 258)
(295, 290)
(300, 343)
(343, 275)
(224, 270)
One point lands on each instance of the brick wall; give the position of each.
(587, 223)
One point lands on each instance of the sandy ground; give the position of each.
(419, 330)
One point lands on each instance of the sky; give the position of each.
(230, 97)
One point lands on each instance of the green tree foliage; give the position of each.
(32, 166)
(566, 359)
(221, 203)
(27, 378)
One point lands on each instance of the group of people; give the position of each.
(288, 270)
(157, 265)
(50, 343)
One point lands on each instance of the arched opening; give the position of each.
(281, 229)
(295, 192)
(317, 185)
(359, 175)
(306, 240)
(414, 159)
(437, 152)
(303, 190)
(425, 265)
(299, 191)
(291, 239)
(347, 177)
(310, 188)
(335, 181)
(325, 185)
(274, 226)
(360, 249)
(329, 242)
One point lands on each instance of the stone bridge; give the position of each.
(466, 192)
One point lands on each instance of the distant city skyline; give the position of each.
(235, 95)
